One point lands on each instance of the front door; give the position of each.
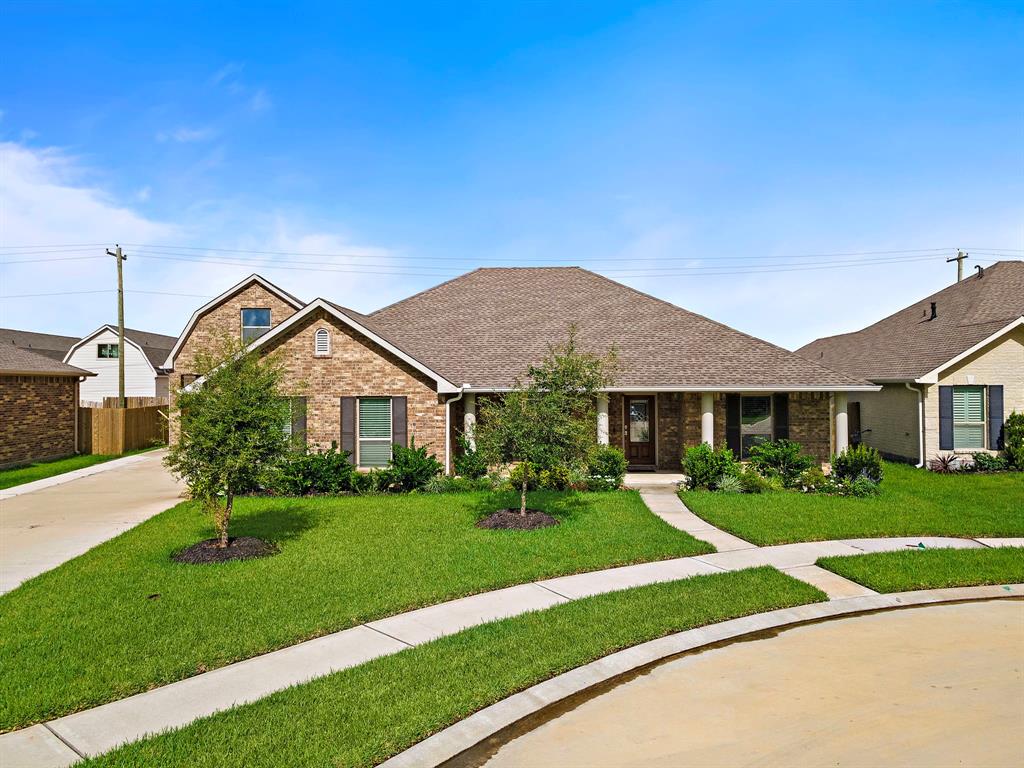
(640, 431)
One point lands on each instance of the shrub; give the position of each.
(703, 465)
(453, 484)
(469, 462)
(729, 484)
(944, 464)
(555, 478)
(1013, 439)
(306, 472)
(986, 462)
(752, 482)
(606, 468)
(863, 486)
(412, 468)
(780, 458)
(515, 476)
(813, 480)
(858, 461)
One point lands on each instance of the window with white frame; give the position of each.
(375, 436)
(255, 322)
(322, 343)
(107, 351)
(968, 417)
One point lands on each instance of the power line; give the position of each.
(104, 290)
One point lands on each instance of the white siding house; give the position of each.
(98, 352)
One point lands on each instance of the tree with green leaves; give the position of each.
(550, 419)
(232, 428)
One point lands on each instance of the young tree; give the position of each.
(232, 428)
(551, 418)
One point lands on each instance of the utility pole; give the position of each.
(959, 259)
(120, 257)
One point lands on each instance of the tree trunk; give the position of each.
(225, 520)
(522, 497)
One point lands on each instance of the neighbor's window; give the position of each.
(755, 421)
(106, 350)
(374, 431)
(968, 417)
(322, 343)
(255, 322)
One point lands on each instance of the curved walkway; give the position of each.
(94, 731)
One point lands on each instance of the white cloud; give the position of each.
(259, 101)
(143, 194)
(226, 73)
(183, 135)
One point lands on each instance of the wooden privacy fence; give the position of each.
(113, 431)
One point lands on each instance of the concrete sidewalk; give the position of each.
(42, 528)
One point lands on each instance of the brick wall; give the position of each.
(670, 426)
(37, 418)
(810, 422)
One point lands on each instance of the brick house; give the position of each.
(38, 406)
(416, 368)
(950, 368)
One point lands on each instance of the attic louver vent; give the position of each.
(322, 343)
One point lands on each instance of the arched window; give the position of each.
(322, 343)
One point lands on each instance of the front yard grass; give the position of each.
(43, 469)
(912, 502)
(930, 568)
(363, 715)
(123, 617)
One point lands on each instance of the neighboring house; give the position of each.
(98, 352)
(45, 344)
(38, 406)
(364, 382)
(951, 368)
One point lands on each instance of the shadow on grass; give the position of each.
(276, 523)
(565, 506)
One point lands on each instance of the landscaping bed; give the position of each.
(930, 569)
(363, 715)
(909, 502)
(89, 631)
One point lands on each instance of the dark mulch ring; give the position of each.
(510, 519)
(239, 548)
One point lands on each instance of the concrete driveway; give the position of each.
(43, 528)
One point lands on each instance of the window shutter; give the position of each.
(780, 415)
(298, 423)
(995, 417)
(732, 423)
(399, 423)
(945, 418)
(348, 427)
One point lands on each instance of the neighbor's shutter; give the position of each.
(780, 415)
(298, 423)
(348, 427)
(945, 418)
(399, 421)
(732, 423)
(995, 417)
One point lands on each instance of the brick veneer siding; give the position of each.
(356, 367)
(670, 426)
(37, 418)
(810, 422)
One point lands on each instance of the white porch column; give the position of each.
(707, 418)
(842, 424)
(469, 418)
(602, 419)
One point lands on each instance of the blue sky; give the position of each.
(697, 151)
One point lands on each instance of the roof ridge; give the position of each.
(425, 291)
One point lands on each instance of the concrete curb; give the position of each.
(488, 722)
(67, 477)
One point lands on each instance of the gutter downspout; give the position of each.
(78, 384)
(448, 466)
(920, 423)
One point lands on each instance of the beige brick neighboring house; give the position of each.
(951, 368)
(415, 369)
(38, 406)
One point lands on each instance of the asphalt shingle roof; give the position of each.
(486, 327)
(46, 344)
(15, 360)
(907, 344)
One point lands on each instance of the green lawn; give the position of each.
(123, 617)
(42, 469)
(363, 715)
(930, 568)
(912, 502)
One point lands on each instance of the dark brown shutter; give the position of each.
(348, 427)
(399, 421)
(298, 423)
(995, 417)
(780, 415)
(732, 423)
(945, 418)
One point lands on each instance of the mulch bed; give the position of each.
(240, 548)
(510, 519)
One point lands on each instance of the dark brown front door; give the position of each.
(640, 431)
